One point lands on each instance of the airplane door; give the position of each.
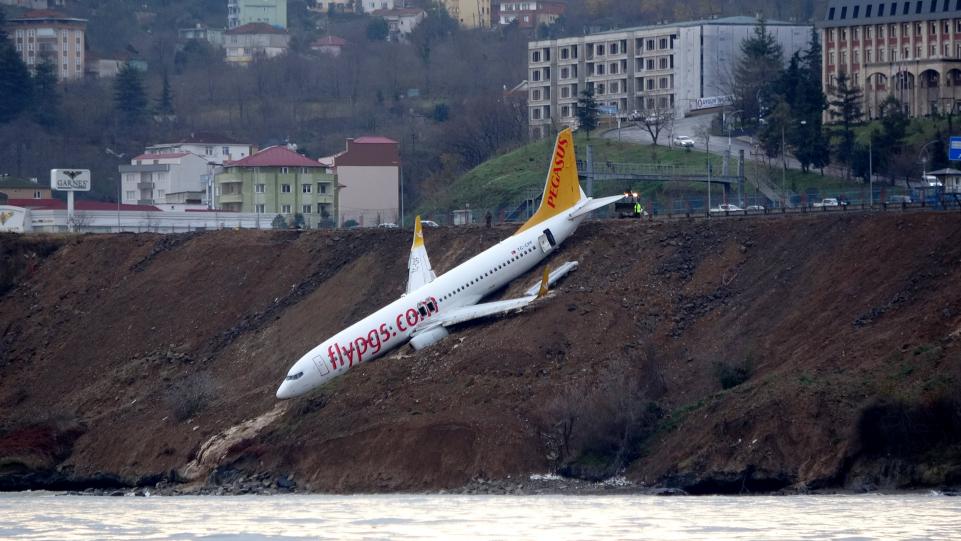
(322, 365)
(546, 240)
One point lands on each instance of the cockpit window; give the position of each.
(292, 377)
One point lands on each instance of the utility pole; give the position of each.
(783, 170)
(707, 146)
(871, 170)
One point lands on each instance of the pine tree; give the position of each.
(15, 84)
(45, 105)
(757, 68)
(165, 103)
(846, 111)
(129, 96)
(587, 112)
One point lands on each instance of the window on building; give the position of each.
(565, 54)
(322, 187)
(599, 69)
(535, 113)
(260, 188)
(305, 188)
(565, 73)
(259, 208)
(613, 48)
(854, 33)
(285, 188)
(535, 94)
(599, 49)
(284, 170)
(565, 92)
(305, 209)
(662, 63)
(285, 209)
(662, 83)
(536, 56)
(650, 64)
(131, 195)
(565, 111)
(209, 151)
(650, 84)
(650, 45)
(37, 194)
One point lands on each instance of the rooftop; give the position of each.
(276, 156)
(329, 41)
(45, 15)
(740, 20)
(858, 12)
(161, 156)
(374, 139)
(79, 204)
(12, 182)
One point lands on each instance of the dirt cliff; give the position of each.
(740, 354)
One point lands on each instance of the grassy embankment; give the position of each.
(506, 180)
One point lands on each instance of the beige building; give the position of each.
(368, 173)
(899, 49)
(241, 12)
(249, 42)
(50, 36)
(469, 13)
(15, 188)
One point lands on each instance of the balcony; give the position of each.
(231, 198)
(145, 185)
(145, 202)
(226, 179)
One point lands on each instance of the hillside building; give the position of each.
(368, 173)
(246, 43)
(270, 12)
(201, 32)
(275, 181)
(169, 180)
(529, 14)
(41, 36)
(469, 13)
(400, 22)
(678, 68)
(16, 188)
(213, 147)
(907, 49)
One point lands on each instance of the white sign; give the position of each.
(70, 180)
(13, 219)
(713, 101)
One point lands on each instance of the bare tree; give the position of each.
(655, 121)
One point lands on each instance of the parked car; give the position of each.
(830, 202)
(635, 116)
(726, 207)
(388, 225)
(754, 207)
(429, 223)
(683, 141)
(899, 199)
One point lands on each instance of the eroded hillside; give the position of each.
(734, 355)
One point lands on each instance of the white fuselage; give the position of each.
(464, 285)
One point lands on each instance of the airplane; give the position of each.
(433, 303)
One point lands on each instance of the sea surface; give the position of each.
(44, 515)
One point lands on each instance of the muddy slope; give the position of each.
(723, 357)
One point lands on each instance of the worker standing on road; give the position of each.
(638, 209)
(487, 219)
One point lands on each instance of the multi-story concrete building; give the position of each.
(529, 14)
(469, 13)
(370, 6)
(41, 36)
(201, 32)
(246, 43)
(275, 181)
(369, 176)
(676, 68)
(907, 49)
(171, 181)
(272, 12)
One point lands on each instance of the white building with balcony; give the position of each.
(678, 68)
(169, 181)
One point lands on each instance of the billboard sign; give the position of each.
(954, 148)
(713, 101)
(70, 180)
(13, 219)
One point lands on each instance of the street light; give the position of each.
(924, 161)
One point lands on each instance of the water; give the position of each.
(289, 517)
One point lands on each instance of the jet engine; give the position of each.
(429, 337)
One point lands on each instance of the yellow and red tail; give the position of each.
(562, 190)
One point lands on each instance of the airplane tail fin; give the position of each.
(561, 190)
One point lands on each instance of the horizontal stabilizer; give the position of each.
(594, 204)
(554, 276)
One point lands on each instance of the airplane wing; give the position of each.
(474, 311)
(595, 204)
(419, 271)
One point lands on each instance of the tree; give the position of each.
(129, 96)
(846, 111)
(654, 121)
(165, 103)
(758, 66)
(587, 112)
(377, 29)
(45, 104)
(15, 83)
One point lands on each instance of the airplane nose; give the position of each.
(284, 391)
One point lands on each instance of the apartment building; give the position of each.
(271, 12)
(529, 14)
(275, 181)
(50, 36)
(170, 180)
(678, 68)
(469, 13)
(213, 147)
(910, 49)
(400, 22)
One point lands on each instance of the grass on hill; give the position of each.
(506, 180)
